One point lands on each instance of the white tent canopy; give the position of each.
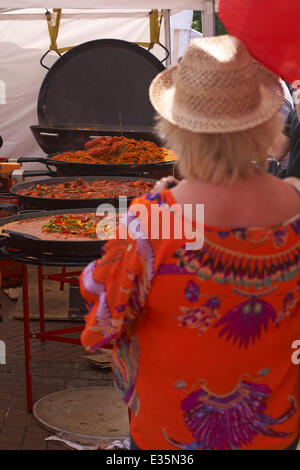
(107, 4)
(24, 39)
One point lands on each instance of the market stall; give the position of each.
(84, 90)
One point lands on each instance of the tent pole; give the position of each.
(208, 18)
(168, 35)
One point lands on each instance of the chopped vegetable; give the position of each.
(75, 225)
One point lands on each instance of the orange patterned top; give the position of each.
(202, 338)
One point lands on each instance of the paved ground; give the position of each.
(55, 366)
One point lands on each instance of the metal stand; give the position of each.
(50, 335)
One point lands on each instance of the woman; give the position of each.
(203, 336)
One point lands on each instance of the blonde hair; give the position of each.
(221, 157)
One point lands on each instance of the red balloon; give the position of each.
(270, 29)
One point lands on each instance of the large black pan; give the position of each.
(31, 202)
(97, 87)
(35, 246)
(94, 169)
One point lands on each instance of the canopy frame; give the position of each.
(53, 21)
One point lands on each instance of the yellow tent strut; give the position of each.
(53, 29)
(155, 24)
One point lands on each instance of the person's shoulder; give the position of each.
(140, 210)
(149, 199)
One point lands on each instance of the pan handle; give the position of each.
(14, 233)
(7, 196)
(29, 211)
(32, 159)
(27, 173)
(55, 162)
(49, 134)
(9, 207)
(3, 239)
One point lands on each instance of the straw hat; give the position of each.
(217, 87)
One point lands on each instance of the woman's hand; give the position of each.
(164, 183)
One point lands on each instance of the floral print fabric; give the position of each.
(202, 338)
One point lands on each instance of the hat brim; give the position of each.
(162, 94)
